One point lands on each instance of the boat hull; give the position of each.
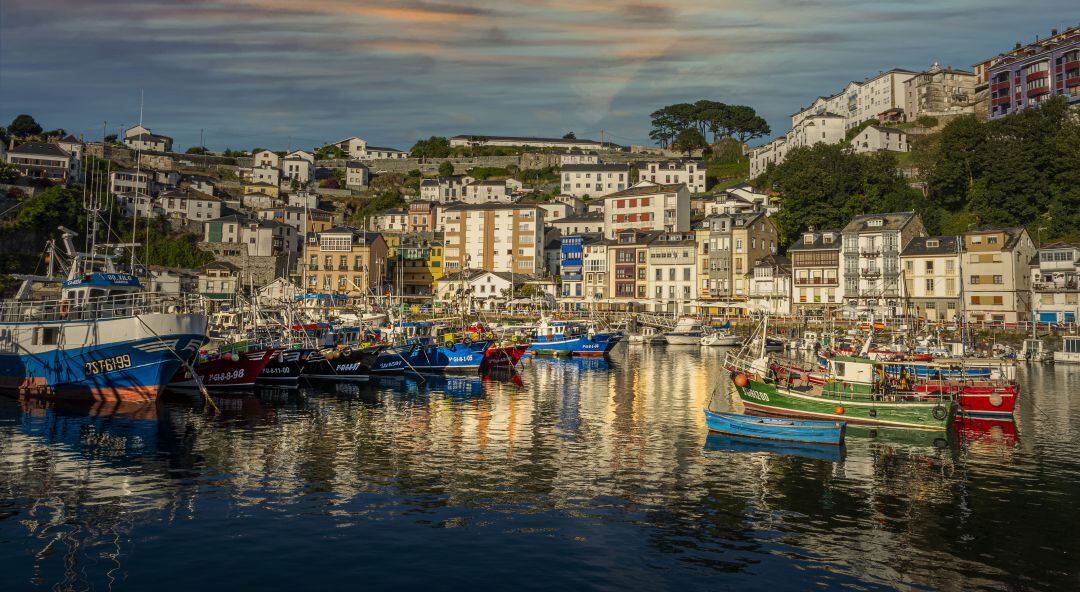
(691, 338)
(239, 370)
(284, 367)
(121, 359)
(767, 398)
(806, 432)
(584, 345)
(459, 358)
(350, 365)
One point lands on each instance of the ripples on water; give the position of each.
(576, 474)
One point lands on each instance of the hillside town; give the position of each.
(580, 225)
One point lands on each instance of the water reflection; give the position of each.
(569, 473)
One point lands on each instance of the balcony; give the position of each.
(1035, 92)
(817, 282)
(1000, 101)
(870, 253)
(1073, 81)
(1063, 286)
(998, 86)
(870, 272)
(1037, 75)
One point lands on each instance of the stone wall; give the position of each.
(257, 270)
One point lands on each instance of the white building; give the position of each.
(39, 160)
(141, 138)
(579, 157)
(1055, 286)
(520, 141)
(188, 205)
(690, 172)
(358, 149)
(389, 221)
(266, 174)
(130, 181)
(672, 272)
(773, 152)
(871, 249)
(443, 189)
(479, 289)
(262, 238)
(299, 166)
(859, 101)
(265, 158)
(770, 286)
(876, 138)
(594, 180)
(357, 175)
(481, 192)
(647, 206)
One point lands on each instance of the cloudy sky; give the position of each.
(304, 72)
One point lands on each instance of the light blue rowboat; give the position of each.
(768, 428)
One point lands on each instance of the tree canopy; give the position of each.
(720, 119)
(689, 140)
(23, 126)
(446, 168)
(433, 147)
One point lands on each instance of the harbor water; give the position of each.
(573, 474)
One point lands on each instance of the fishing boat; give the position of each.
(687, 331)
(648, 335)
(717, 442)
(721, 339)
(503, 355)
(1070, 351)
(286, 366)
(428, 356)
(224, 369)
(806, 431)
(852, 392)
(341, 363)
(562, 338)
(105, 338)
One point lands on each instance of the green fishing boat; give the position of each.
(853, 390)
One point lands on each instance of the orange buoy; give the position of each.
(839, 409)
(740, 380)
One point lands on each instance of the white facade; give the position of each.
(298, 165)
(689, 172)
(770, 287)
(389, 221)
(772, 153)
(672, 272)
(130, 181)
(859, 101)
(1054, 284)
(481, 192)
(579, 157)
(443, 189)
(265, 158)
(647, 206)
(876, 139)
(189, 205)
(594, 180)
(358, 149)
(357, 175)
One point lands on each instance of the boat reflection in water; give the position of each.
(93, 427)
(722, 442)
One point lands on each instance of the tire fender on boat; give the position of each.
(939, 412)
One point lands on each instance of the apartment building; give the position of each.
(346, 261)
(770, 286)
(713, 236)
(861, 100)
(997, 270)
(671, 284)
(871, 249)
(218, 280)
(1027, 76)
(753, 236)
(415, 264)
(689, 172)
(648, 206)
(594, 180)
(628, 269)
(570, 265)
(1055, 285)
(939, 92)
(773, 152)
(594, 266)
(422, 216)
(494, 237)
(579, 224)
(815, 272)
(932, 282)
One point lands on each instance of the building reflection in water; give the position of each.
(618, 441)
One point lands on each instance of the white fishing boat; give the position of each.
(648, 335)
(1070, 350)
(721, 339)
(687, 331)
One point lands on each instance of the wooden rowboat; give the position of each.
(769, 428)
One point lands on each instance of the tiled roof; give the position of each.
(650, 189)
(40, 149)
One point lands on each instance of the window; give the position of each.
(974, 279)
(930, 287)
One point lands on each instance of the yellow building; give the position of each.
(346, 261)
(268, 188)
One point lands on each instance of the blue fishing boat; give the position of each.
(722, 442)
(104, 339)
(769, 428)
(561, 338)
(428, 356)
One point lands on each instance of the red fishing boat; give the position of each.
(226, 370)
(503, 355)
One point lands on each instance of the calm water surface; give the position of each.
(585, 474)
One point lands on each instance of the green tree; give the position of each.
(688, 140)
(569, 136)
(745, 124)
(197, 150)
(23, 126)
(446, 168)
(56, 206)
(328, 152)
(433, 147)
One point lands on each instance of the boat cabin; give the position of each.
(1070, 350)
(99, 295)
(851, 370)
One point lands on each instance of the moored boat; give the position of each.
(721, 340)
(341, 363)
(687, 331)
(571, 339)
(224, 369)
(806, 431)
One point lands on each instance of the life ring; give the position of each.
(740, 380)
(995, 399)
(939, 412)
(65, 306)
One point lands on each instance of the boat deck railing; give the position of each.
(105, 307)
